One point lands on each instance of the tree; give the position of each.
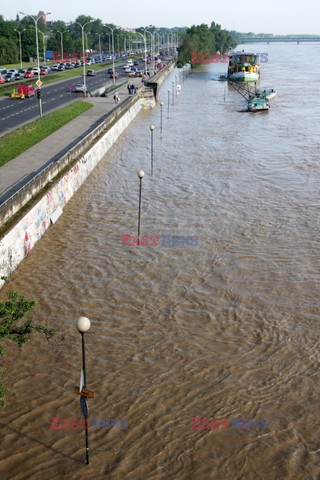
(15, 327)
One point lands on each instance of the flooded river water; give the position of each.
(226, 329)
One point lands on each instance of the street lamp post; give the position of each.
(151, 130)
(176, 78)
(83, 325)
(140, 175)
(20, 48)
(168, 103)
(152, 50)
(99, 35)
(145, 50)
(161, 105)
(62, 56)
(84, 62)
(36, 20)
(112, 36)
(173, 93)
(44, 47)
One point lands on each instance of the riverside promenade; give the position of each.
(17, 172)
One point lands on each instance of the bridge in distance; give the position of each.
(296, 39)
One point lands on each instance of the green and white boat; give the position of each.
(258, 104)
(244, 67)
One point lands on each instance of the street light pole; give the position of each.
(151, 130)
(145, 51)
(83, 59)
(44, 47)
(62, 57)
(99, 35)
(36, 20)
(140, 175)
(83, 325)
(112, 35)
(20, 48)
(168, 103)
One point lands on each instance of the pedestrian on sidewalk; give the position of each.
(116, 98)
(129, 88)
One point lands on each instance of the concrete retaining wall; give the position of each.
(16, 244)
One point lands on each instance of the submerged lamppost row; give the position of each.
(140, 175)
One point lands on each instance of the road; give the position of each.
(14, 112)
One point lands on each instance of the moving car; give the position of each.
(136, 62)
(91, 73)
(110, 70)
(79, 87)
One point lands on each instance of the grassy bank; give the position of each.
(17, 142)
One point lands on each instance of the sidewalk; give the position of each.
(17, 172)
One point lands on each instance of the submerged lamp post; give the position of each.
(83, 325)
(161, 105)
(140, 175)
(151, 130)
(168, 103)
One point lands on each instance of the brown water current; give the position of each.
(225, 329)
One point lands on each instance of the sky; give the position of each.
(274, 16)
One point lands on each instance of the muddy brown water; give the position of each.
(222, 330)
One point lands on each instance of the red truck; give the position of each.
(23, 91)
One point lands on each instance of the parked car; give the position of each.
(91, 73)
(29, 74)
(35, 70)
(3, 71)
(9, 77)
(136, 62)
(43, 71)
(2, 79)
(45, 67)
(13, 70)
(127, 69)
(22, 70)
(79, 87)
(18, 76)
(77, 64)
(55, 67)
(69, 66)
